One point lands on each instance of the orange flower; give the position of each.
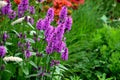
(17, 1)
(58, 4)
(61, 3)
(78, 1)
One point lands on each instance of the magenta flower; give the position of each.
(27, 53)
(3, 51)
(50, 14)
(11, 14)
(68, 23)
(54, 36)
(5, 10)
(40, 24)
(31, 9)
(64, 55)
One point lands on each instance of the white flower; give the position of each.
(18, 21)
(3, 3)
(11, 58)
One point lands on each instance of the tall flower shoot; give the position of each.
(31, 9)
(54, 35)
(27, 53)
(68, 23)
(63, 14)
(40, 24)
(22, 7)
(11, 14)
(5, 10)
(50, 14)
(5, 37)
(3, 51)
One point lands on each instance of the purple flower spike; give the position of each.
(31, 9)
(40, 24)
(27, 53)
(54, 36)
(60, 31)
(48, 33)
(28, 45)
(19, 44)
(3, 51)
(12, 14)
(22, 7)
(50, 14)
(64, 55)
(60, 45)
(46, 23)
(31, 21)
(20, 35)
(68, 23)
(49, 50)
(6, 9)
(25, 4)
(5, 36)
(20, 11)
(54, 62)
(63, 14)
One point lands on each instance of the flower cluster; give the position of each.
(58, 4)
(3, 51)
(24, 45)
(17, 1)
(4, 38)
(26, 18)
(54, 35)
(54, 62)
(7, 10)
(11, 58)
(78, 1)
(23, 5)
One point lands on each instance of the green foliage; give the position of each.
(100, 55)
(103, 77)
(114, 64)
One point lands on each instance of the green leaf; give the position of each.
(62, 67)
(33, 53)
(33, 64)
(16, 32)
(32, 32)
(26, 71)
(30, 25)
(30, 40)
(8, 71)
(32, 75)
(8, 43)
(104, 19)
(17, 54)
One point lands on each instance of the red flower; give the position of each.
(58, 4)
(17, 1)
(78, 1)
